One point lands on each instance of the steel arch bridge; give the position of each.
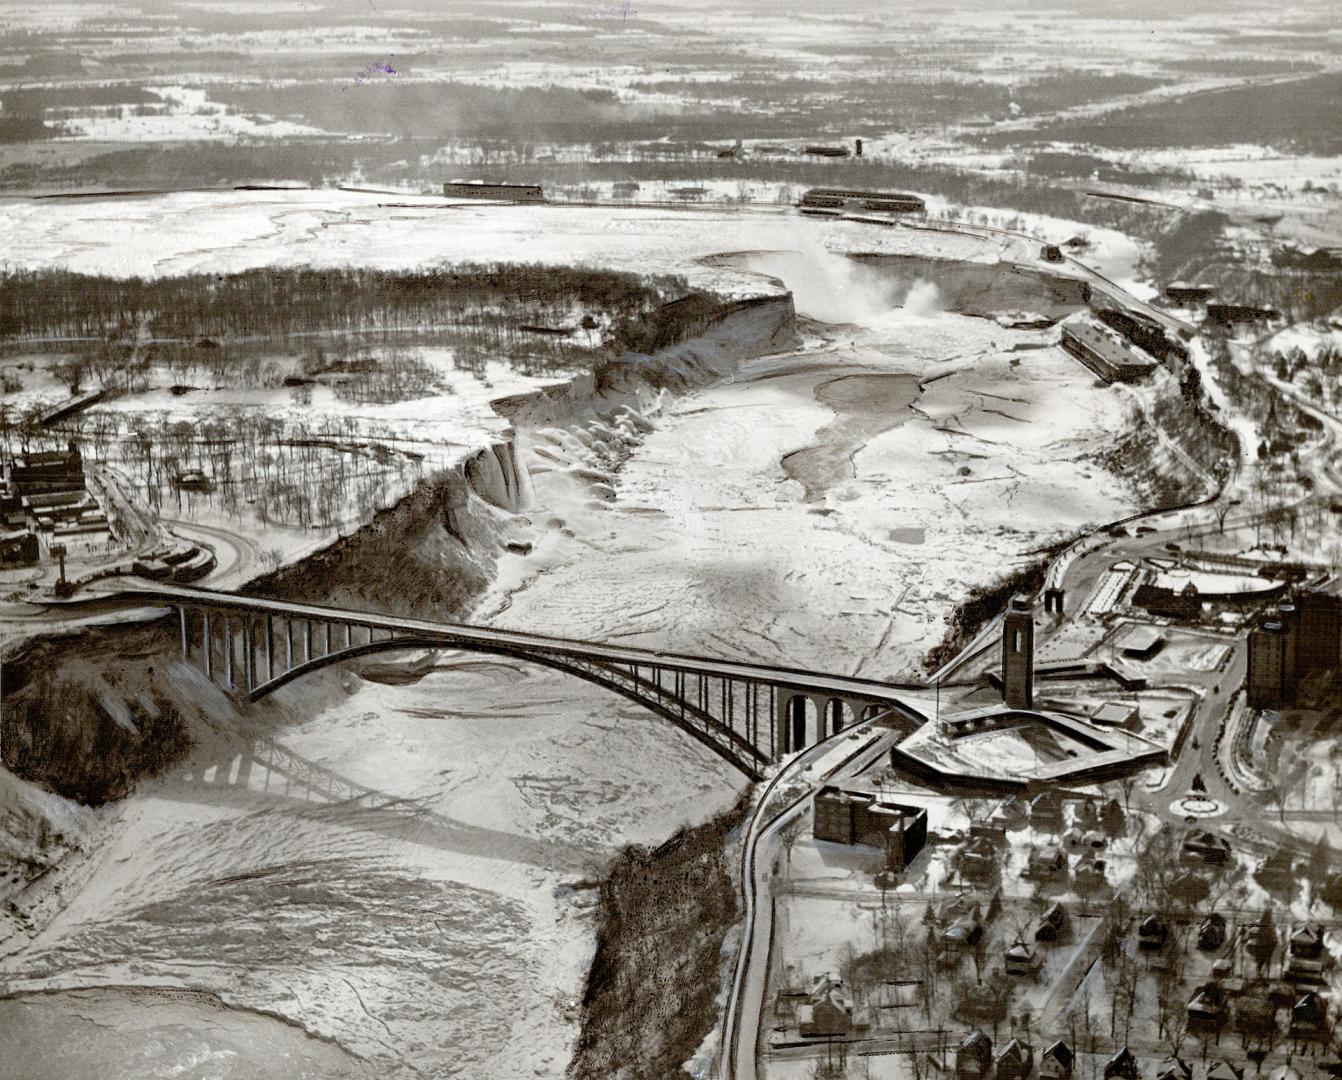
(750, 714)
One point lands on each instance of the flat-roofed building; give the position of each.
(1182, 292)
(1320, 628)
(1271, 683)
(467, 189)
(852, 816)
(1104, 351)
(19, 548)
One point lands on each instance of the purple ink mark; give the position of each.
(373, 70)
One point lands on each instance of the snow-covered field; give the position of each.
(221, 232)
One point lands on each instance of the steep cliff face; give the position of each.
(740, 330)
(87, 714)
(650, 998)
(428, 557)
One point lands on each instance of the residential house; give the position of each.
(1205, 847)
(1021, 960)
(1207, 1006)
(974, 1057)
(1046, 862)
(1122, 1066)
(828, 1012)
(1306, 941)
(1052, 925)
(1174, 1068)
(965, 931)
(1012, 813)
(979, 858)
(1152, 933)
(1046, 811)
(1299, 970)
(1089, 873)
(1212, 932)
(1055, 1063)
(1309, 1017)
(1015, 1061)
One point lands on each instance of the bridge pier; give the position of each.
(249, 653)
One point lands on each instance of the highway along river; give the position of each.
(824, 508)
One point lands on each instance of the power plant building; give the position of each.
(1104, 350)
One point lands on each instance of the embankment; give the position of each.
(87, 713)
(1189, 460)
(984, 602)
(651, 994)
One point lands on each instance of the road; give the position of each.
(238, 559)
(745, 997)
(463, 635)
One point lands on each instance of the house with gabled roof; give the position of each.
(1306, 941)
(1015, 1061)
(1152, 933)
(1174, 1068)
(1309, 1017)
(1056, 1062)
(974, 1057)
(1223, 1070)
(1122, 1066)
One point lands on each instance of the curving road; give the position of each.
(745, 997)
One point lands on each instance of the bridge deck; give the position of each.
(486, 636)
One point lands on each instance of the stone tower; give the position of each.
(1018, 654)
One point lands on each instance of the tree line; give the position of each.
(276, 301)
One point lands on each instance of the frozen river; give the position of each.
(825, 508)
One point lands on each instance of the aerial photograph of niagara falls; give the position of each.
(670, 540)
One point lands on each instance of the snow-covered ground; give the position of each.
(220, 232)
(187, 113)
(937, 451)
(854, 565)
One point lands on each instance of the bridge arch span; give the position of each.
(751, 714)
(700, 725)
